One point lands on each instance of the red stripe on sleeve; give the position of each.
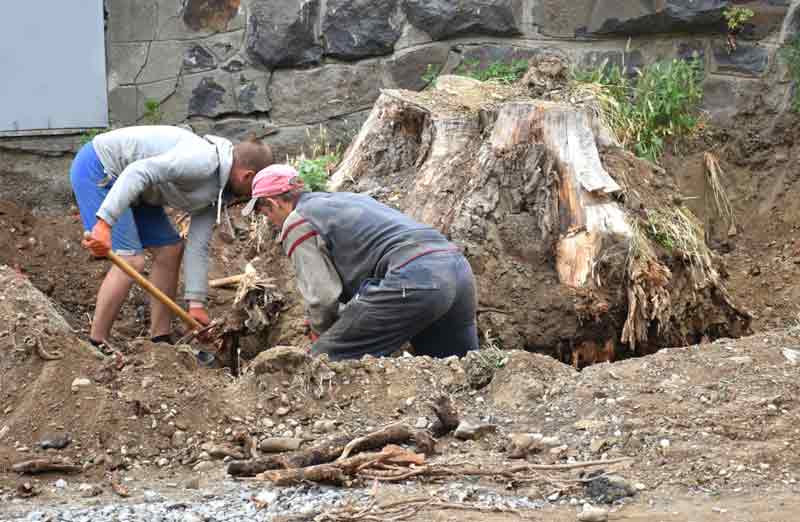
(292, 227)
(299, 241)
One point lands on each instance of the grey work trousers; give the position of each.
(430, 302)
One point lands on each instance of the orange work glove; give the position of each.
(199, 314)
(98, 241)
(310, 333)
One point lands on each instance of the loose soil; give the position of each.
(710, 427)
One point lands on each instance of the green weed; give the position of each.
(152, 111)
(496, 71)
(315, 172)
(661, 101)
(736, 17)
(431, 73)
(316, 166)
(791, 55)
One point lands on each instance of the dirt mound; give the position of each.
(47, 250)
(717, 417)
(115, 411)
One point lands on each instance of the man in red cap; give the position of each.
(371, 278)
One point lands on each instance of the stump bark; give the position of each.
(549, 215)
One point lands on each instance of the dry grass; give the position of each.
(648, 296)
(260, 232)
(718, 195)
(679, 231)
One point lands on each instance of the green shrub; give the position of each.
(791, 55)
(662, 101)
(496, 71)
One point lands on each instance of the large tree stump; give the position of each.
(554, 235)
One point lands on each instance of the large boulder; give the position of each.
(623, 17)
(212, 15)
(446, 18)
(314, 95)
(746, 60)
(354, 29)
(281, 33)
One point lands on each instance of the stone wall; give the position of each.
(283, 68)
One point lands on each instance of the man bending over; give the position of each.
(122, 181)
(371, 277)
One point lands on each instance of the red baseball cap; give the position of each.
(272, 181)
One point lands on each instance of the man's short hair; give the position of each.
(252, 154)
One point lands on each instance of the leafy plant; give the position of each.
(315, 172)
(152, 111)
(791, 55)
(661, 102)
(431, 73)
(737, 17)
(496, 71)
(316, 167)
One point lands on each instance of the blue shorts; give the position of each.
(137, 228)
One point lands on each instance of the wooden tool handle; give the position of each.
(225, 281)
(155, 292)
(149, 288)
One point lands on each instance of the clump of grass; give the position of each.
(500, 72)
(661, 101)
(791, 55)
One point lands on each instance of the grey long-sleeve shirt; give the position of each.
(169, 166)
(317, 280)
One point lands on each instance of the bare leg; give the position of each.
(166, 266)
(112, 294)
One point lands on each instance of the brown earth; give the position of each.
(728, 410)
(704, 426)
(763, 183)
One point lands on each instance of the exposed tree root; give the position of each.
(36, 466)
(339, 472)
(339, 448)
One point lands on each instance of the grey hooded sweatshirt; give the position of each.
(172, 167)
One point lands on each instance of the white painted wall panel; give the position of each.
(52, 65)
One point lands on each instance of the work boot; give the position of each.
(103, 347)
(165, 338)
